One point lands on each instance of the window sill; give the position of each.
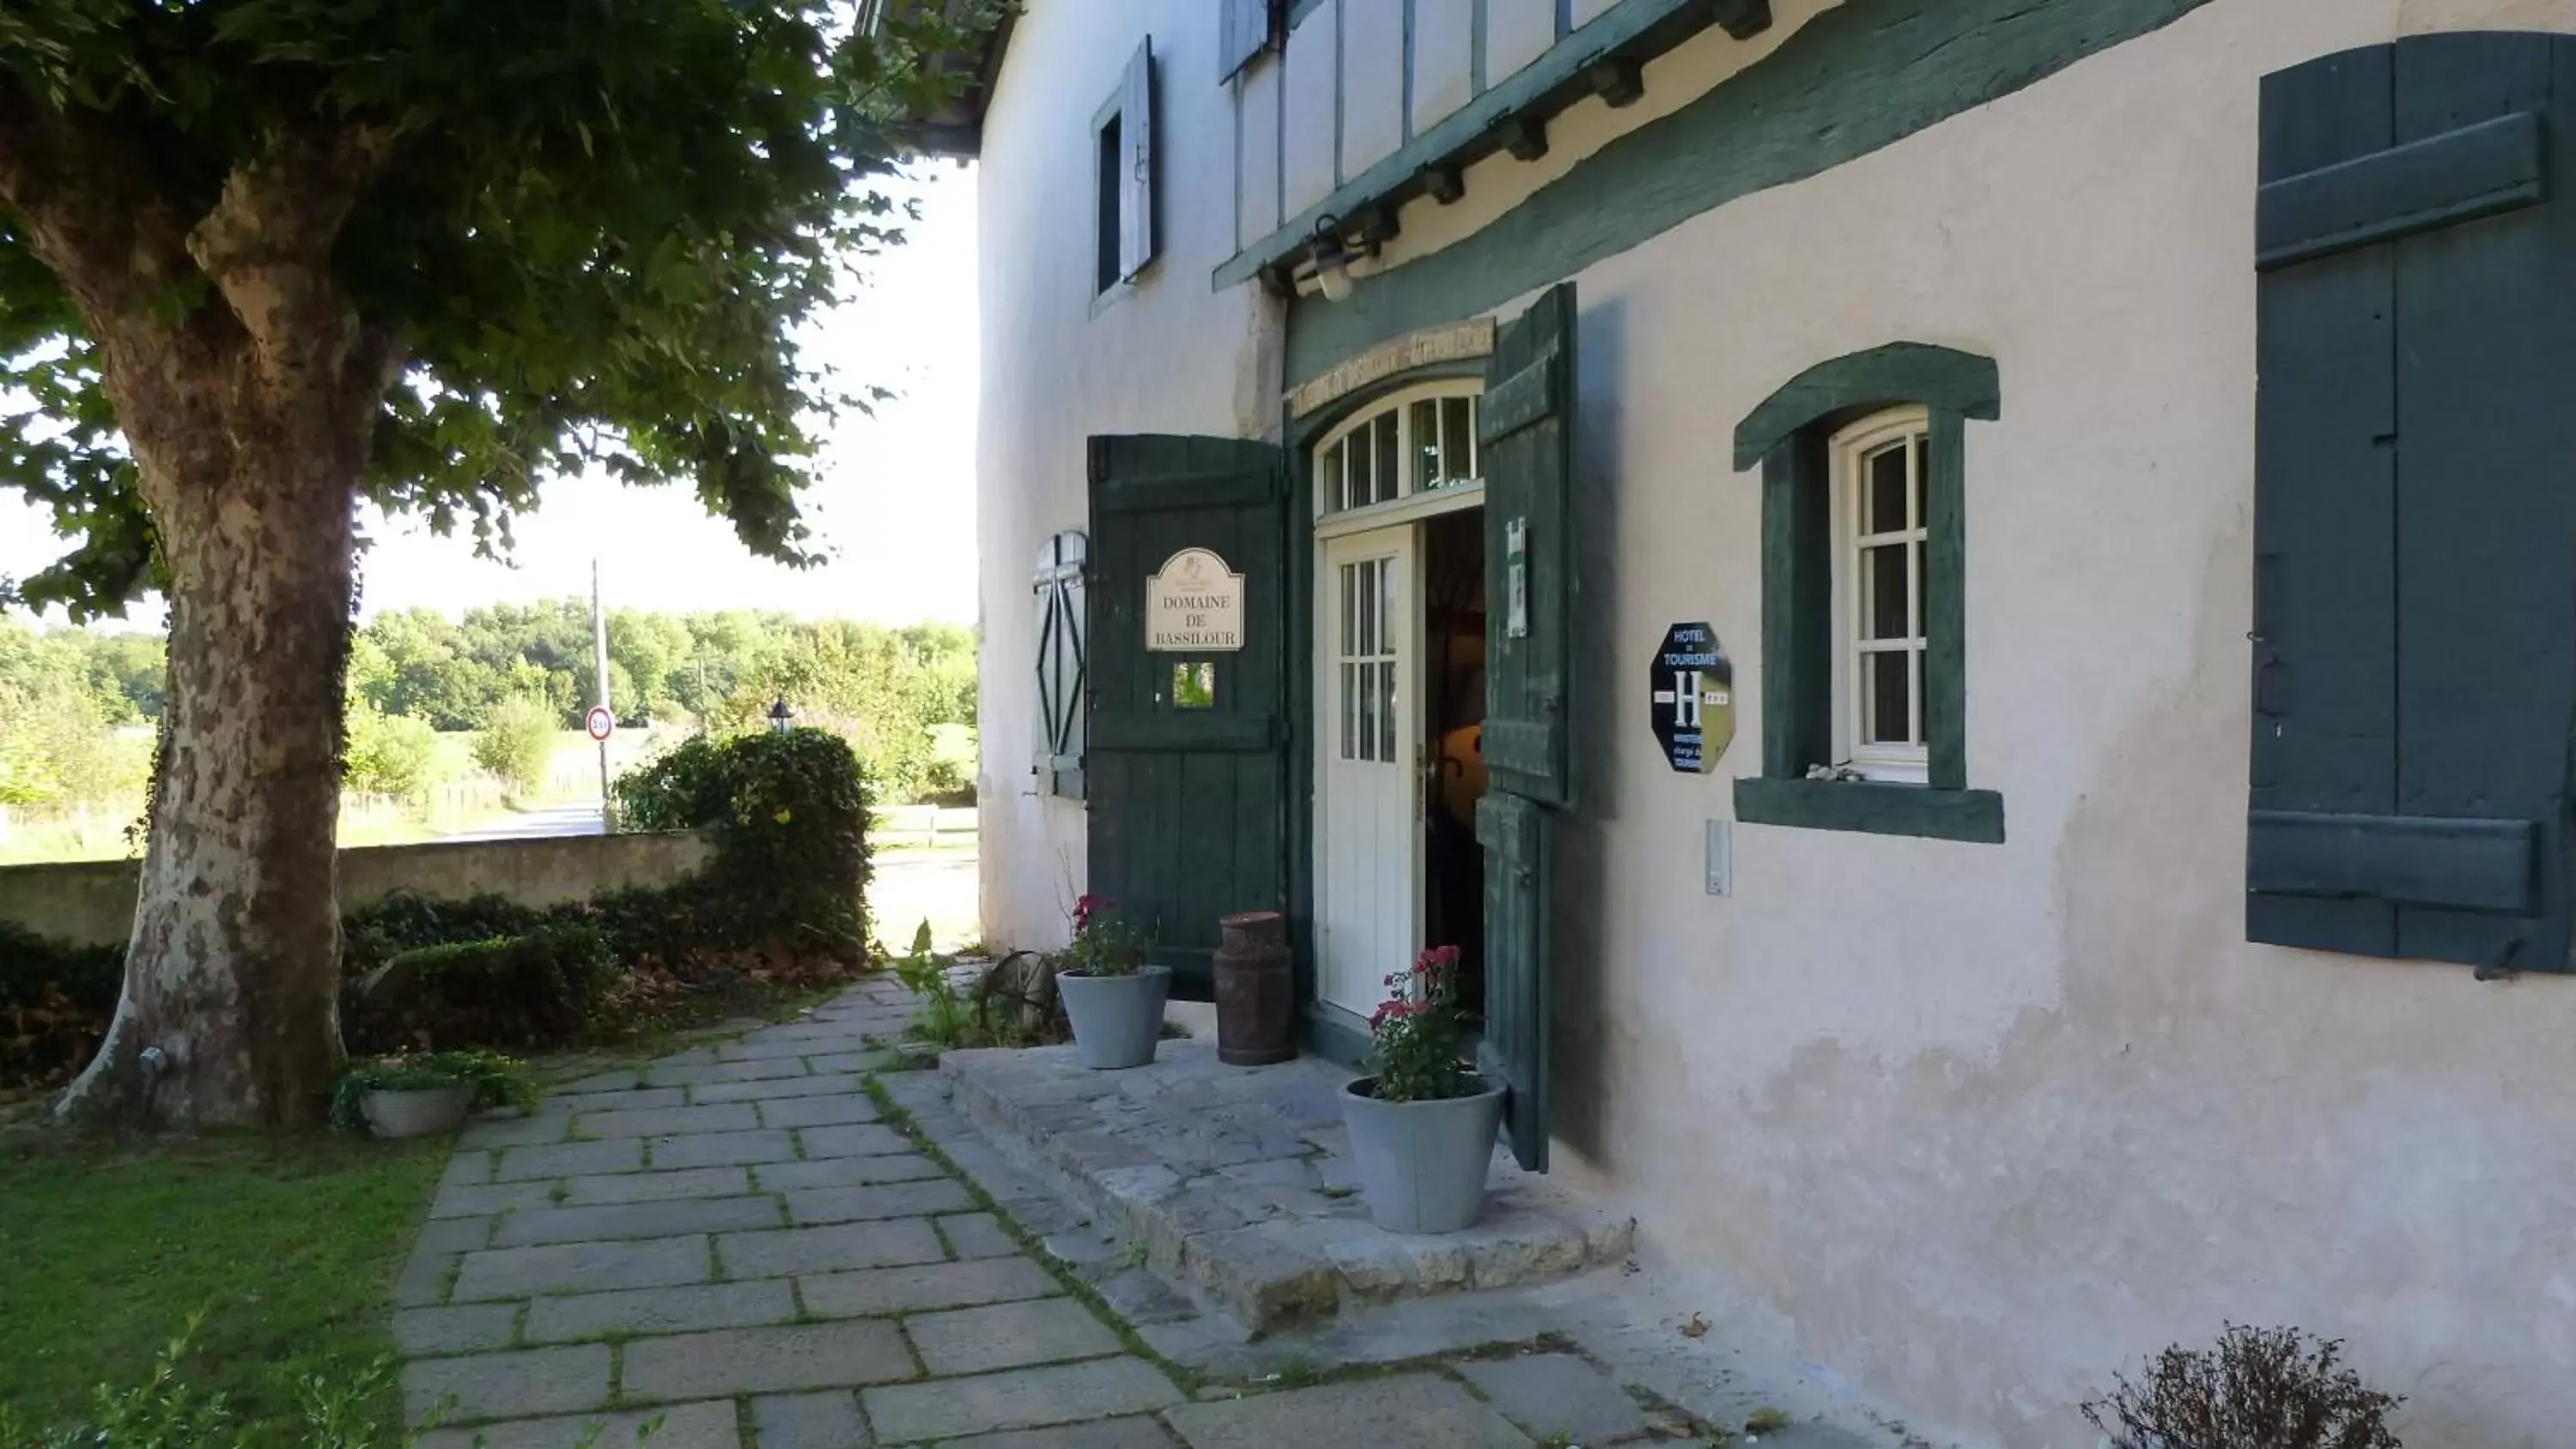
(1120, 291)
(1874, 808)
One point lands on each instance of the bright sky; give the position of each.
(893, 506)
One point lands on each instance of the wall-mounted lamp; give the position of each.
(1333, 258)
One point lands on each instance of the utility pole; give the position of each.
(599, 656)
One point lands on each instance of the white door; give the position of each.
(1368, 851)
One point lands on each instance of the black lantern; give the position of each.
(781, 718)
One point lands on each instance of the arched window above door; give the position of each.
(1420, 440)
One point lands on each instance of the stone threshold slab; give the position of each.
(1237, 1183)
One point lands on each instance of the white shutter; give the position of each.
(1136, 240)
(1247, 33)
(1061, 657)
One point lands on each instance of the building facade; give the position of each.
(1968, 609)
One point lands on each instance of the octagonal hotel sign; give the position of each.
(1194, 605)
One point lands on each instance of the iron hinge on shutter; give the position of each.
(1062, 664)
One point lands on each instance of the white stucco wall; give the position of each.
(1982, 1124)
(1257, 107)
(1171, 356)
(1516, 33)
(1307, 156)
(1372, 85)
(1444, 50)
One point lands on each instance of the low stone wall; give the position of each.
(91, 903)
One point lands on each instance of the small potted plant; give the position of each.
(1112, 996)
(1423, 1128)
(405, 1096)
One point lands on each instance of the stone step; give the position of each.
(1237, 1182)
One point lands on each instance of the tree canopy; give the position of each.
(262, 260)
(572, 234)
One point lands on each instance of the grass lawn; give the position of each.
(289, 1247)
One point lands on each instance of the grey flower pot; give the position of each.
(1116, 1019)
(422, 1113)
(1422, 1164)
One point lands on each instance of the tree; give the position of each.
(54, 742)
(389, 755)
(262, 258)
(517, 742)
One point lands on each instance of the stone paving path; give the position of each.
(736, 1246)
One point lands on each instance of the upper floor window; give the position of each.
(1123, 204)
(1416, 442)
(1881, 538)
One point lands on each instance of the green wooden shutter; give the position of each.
(1187, 814)
(1137, 236)
(1526, 426)
(2415, 506)
(1516, 835)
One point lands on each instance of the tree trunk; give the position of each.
(229, 1015)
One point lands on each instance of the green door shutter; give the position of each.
(1186, 791)
(2415, 504)
(1526, 428)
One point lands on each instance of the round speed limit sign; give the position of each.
(599, 722)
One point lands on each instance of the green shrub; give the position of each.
(789, 817)
(517, 741)
(534, 989)
(404, 921)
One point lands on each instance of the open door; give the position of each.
(1527, 434)
(1186, 768)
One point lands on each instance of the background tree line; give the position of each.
(516, 675)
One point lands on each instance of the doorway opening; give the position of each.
(1453, 632)
(1400, 694)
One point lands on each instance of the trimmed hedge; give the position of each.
(789, 815)
(508, 990)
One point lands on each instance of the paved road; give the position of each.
(551, 821)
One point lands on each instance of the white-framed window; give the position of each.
(1419, 441)
(1880, 539)
(1367, 657)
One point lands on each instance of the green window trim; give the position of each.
(1873, 807)
(1940, 378)
(1790, 435)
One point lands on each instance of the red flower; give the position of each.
(1392, 1011)
(1087, 906)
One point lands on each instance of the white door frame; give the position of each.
(1368, 835)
